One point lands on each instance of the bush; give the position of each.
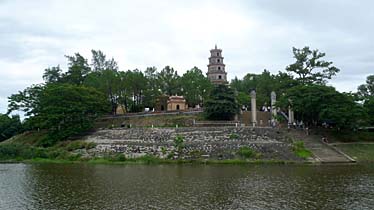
(19, 151)
(74, 145)
(234, 136)
(179, 143)
(300, 150)
(246, 152)
(118, 157)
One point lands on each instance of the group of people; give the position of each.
(296, 125)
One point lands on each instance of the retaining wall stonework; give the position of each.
(199, 142)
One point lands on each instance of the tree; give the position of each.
(367, 90)
(369, 107)
(168, 80)
(78, 69)
(107, 82)
(137, 85)
(100, 63)
(263, 83)
(67, 110)
(221, 104)
(104, 78)
(152, 90)
(26, 101)
(315, 104)
(9, 126)
(52, 74)
(195, 86)
(62, 109)
(309, 68)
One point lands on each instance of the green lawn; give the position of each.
(360, 152)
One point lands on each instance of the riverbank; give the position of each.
(154, 161)
(228, 148)
(188, 145)
(360, 151)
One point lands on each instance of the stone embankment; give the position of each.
(199, 142)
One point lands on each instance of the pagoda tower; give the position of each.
(216, 68)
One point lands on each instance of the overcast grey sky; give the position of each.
(254, 35)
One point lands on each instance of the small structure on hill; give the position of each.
(171, 103)
(177, 103)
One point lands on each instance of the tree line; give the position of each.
(69, 101)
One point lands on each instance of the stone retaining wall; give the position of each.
(199, 142)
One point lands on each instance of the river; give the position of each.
(86, 186)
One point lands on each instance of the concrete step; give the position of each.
(323, 152)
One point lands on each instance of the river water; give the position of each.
(85, 186)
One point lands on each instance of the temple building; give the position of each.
(216, 68)
(171, 103)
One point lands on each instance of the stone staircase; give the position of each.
(323, 152)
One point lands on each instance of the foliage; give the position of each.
(52, 74)
(367, 90)
(300, 150)
(63, 109)
(168, 81)
(74, 145)
(234, 136)
(315, 104)
(78, 69)
(369, 107)
(26, 101)
(221, 104)
(9, 126)
(309, 68)
(179, 143)
(67, 110)
(264, 84)
(360, 152)
(246, 152)
(195, 86)
(19, 151)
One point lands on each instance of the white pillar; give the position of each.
(253, 108)
(273, 108)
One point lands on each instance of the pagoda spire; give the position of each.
(216, 68)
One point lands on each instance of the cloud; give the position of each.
(254, 35)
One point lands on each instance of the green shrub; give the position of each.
(179, 143)
(74, 145)
(246, 152)
(299, 149)
(234, 136)
(163, 150)
(118, 157)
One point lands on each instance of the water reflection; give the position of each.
(64, 186)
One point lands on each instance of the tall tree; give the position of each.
(168, 79)
(310, 68)
(137, 83)
(107, 82)
(52, 74)
(78, 69)
(26, 101)
(315, 104)
(152, 90)
(100, 63)
(9, 126)
(104, 78)
(221, 104)
(195, 86)
(367, 90)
